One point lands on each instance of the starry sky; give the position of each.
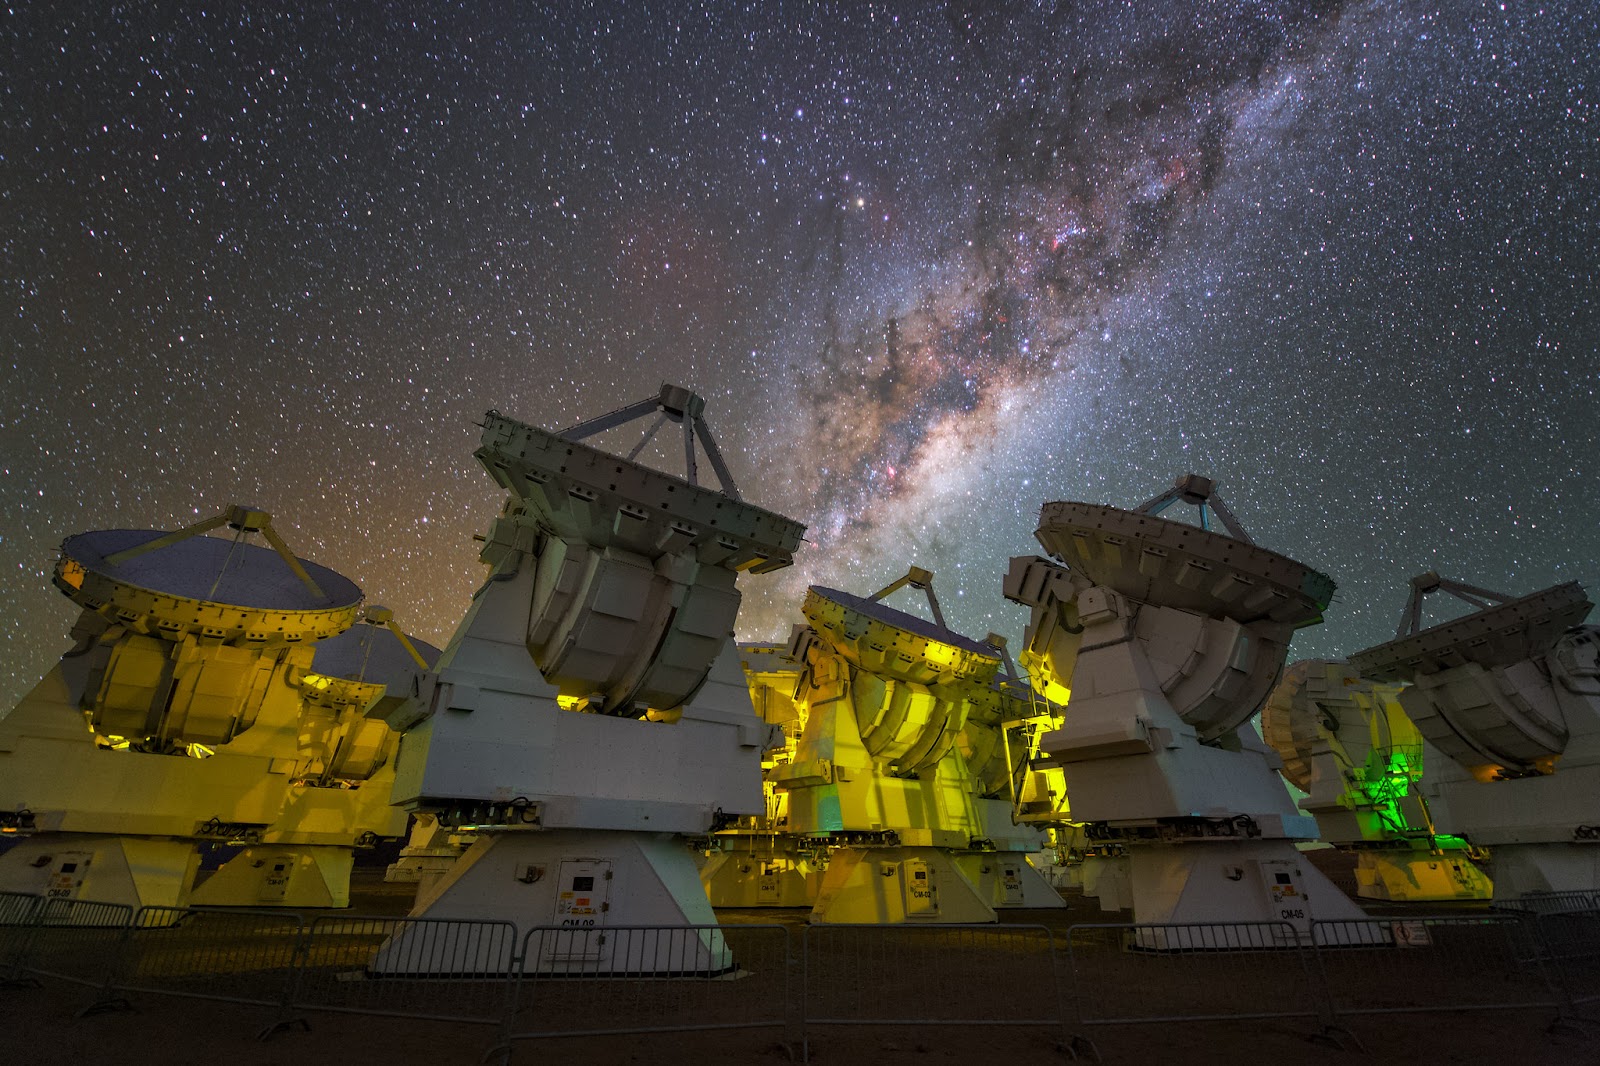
(932, 265)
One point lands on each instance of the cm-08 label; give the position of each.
(581, 893)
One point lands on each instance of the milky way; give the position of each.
(1112, 133)
(931, 265)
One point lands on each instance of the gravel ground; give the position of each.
(1013, 979)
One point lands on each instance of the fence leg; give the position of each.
(16, 975)
(1081, 1046)
(107, 1001)
(790, 1043)
(1065, 1044)
(286, 1018)
(805, 993)
(1330, 1033)
(1567, 1022)
(499, 1053)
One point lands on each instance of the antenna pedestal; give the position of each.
(139, 871)
(278, 875)
(584, 884)
(761, 869)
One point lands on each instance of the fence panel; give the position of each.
(1431, 963)
(76, 940)
(962, 975)
(16, 908)
(239, 956)
(652, 979)
(1549, 903)
(435, 968)
(1569, 946)
(16, 932)
(1126, 974)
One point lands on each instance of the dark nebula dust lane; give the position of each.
(931, 264)
(1098, 139)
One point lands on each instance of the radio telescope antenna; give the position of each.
(187, 668)
(1347, 742)
(1502, 629)
(1511, 694)
(591, 704)
(905, 764)
(1170, 638)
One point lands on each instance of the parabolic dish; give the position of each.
(206, 585)
(882, 640)
(1156, 560)
(876, 612)
(589, 494)
(371, 654)
(1506, 633)
(1292, 723)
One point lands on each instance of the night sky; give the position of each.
(931, 264)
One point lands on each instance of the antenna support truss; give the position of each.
(1424, 584)
(922, 581)
(676, 404)
(243, 521)
(1200, 492)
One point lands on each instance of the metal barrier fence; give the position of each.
(237, 956)
(16, 927)
(74, 940)
(966, 975)
(1127, 974)
(1431, 963)
(645, 979)
(569, 982)
(438, 969)
(1549, 903)
(1570, 949)
(17, 908)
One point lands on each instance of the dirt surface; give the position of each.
(1013, 981)
(39, 1028)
